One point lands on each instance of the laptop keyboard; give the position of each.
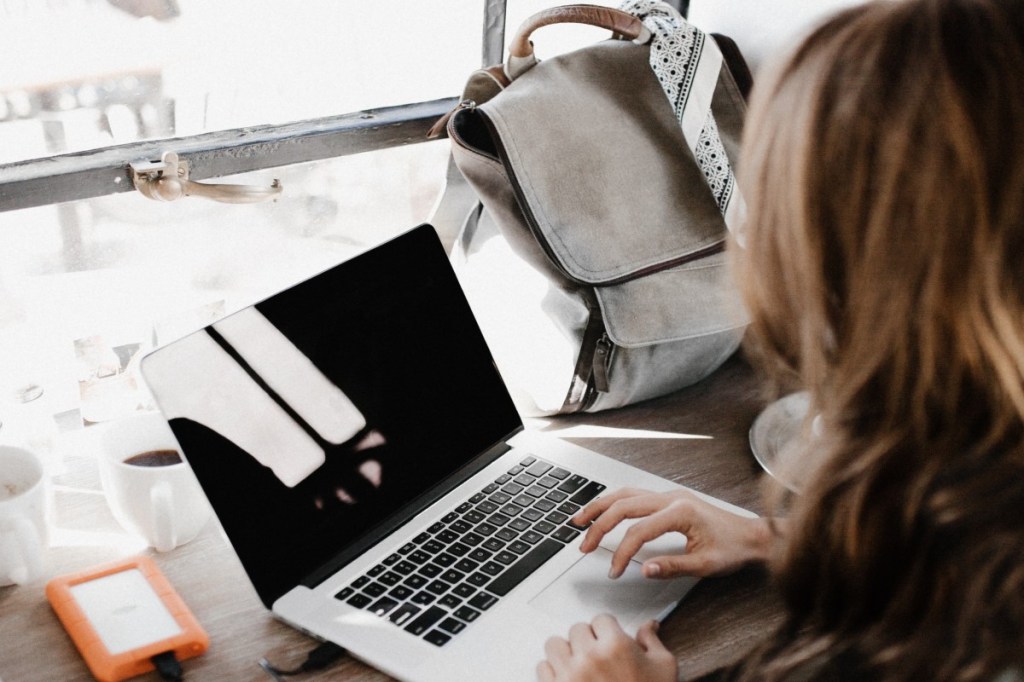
(440, 581)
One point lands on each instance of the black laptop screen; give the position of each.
(313, 416)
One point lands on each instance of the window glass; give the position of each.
(87, 286)
(91, 73)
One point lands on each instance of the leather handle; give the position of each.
(616, 21)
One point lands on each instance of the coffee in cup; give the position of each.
(150, 489)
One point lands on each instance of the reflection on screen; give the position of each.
(388, 344)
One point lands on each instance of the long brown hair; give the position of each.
(884, 269)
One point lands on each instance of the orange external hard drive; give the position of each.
(121, 615)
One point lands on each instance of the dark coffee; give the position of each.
(154, 458)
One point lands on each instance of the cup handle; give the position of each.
(162, 504)
(30, 552)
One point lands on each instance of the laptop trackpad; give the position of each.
(585, 590)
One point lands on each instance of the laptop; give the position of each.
(369, 468)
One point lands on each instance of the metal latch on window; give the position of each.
(167, 180)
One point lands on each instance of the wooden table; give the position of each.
(719, 620)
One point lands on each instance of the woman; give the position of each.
(884, 270)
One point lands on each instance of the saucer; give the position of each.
(775, 433)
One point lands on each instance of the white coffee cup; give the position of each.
(23, 531)
(159, 501)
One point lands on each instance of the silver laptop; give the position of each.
(367, 465)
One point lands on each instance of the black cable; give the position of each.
(317, 659)
(168, 666)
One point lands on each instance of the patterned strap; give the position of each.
(687, 62)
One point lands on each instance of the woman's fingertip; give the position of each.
(652, 570)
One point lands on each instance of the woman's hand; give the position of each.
(717, 541)
(600, 651)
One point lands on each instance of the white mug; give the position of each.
(158, 497)
(23, 531)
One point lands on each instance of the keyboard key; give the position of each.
(500, 498)
(421, 538)
(404, 567)
(494, 544)
(539, 469)
(536, 491)
(360, 581)
(544, 527)
(430, 570)
(523, 500)
(511, 510)
(466, 565)
(426, 620)
(437, 638)
(489, 488)
(438, 587)
(401, 592)
(565, 534)
(547, 482)
(507, 558)
(419, 557)
(345, 593)
(449, 601)
(449, 517)
(478, 579)
(524, 480)
(360, 601)
(545, 505)
(463, 590)
(519, 524)
(436, 527)
(391, 560)
(444, 560)
(506, 534)
(533, 514)
(474, 517)
(460, 527)
(560, 474)
(479, 555)
(483, 601)
(432, 547)
(467, 614)
(503, 479)
(406, 548)
(400, 615)
(453, 576)
(464, 507)
(446, 536)
(527, 564)
(375, 571)
(458, 549)
(485, 529)
(375, 589)
(568, 508)
(531, 536)
(487, 507)
(382, 606)
(498, 519)
(513, 488)
(476, 498)
(587, 493)
(390, 578)
(556, 496)
(451, 625)
(424, 598)
(556, 517)
(472, 539)
(492, 568)
(519, 547)
(516, 470)
(528, 461)
(415, 581)
(572, 484)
